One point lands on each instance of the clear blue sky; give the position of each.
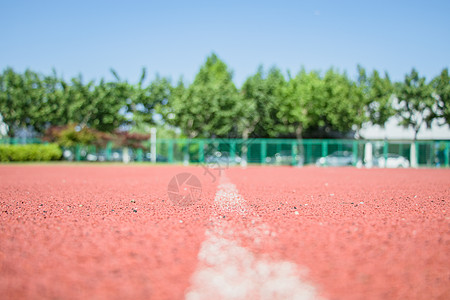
(173, 38)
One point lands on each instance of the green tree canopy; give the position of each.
(96, 106)
(17, 96)
(262, 96)
(378, 95)
(342, 106)
(441, 85)
(416, 101)
(299, 109)
(209, 106)
(142, 101)
(268, 104)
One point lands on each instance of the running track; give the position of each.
(111, 232)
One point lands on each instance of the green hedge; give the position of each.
(31, 152)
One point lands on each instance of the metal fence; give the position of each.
(307, 152)
(270, 152)
(20, 141)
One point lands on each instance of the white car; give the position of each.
(339, 159)
(393, 161)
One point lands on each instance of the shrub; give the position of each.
(32, 152)
(72, 134)
(129, 139)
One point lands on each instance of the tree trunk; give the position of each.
(413, 151)
(301, 148)
(125, 155)
(245, 135)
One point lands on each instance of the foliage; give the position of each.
(416, 102)
(32, 152)
(72, 134)
(31, 99)
(142, 101)
(132, 140)
(342, 107)
(262, 96)
(441, 85)
(209, 106)
(378, 96)
(303, 95)
(19, 98)
(96, 106)
(267, 105)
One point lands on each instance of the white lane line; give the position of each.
(227, 270)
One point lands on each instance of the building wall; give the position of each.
(393, 131)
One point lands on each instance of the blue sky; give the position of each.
(173, 38)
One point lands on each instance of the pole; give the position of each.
(262, 152)
(170, 151)
(447, 153)
(368, 155)
(355, 153)
(201, 151)
(153, 144)
(413, 155)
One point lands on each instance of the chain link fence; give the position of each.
(324, 152)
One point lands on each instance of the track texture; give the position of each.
(362, 234)
(74, 233)
(110, 232)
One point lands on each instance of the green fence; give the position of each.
(306, 152)
(20, 141)
(273, 152)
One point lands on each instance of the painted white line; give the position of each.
(227, 270)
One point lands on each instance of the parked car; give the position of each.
(222, 159)
(393, 161)
(282, 158)
(159, 158)
(338, 159)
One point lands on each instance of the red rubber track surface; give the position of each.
(362, 234)
(72, 233)
(110, 232)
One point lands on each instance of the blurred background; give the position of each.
(288, 83)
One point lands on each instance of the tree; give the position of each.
(147, 99)
(14, 100)
(29, 100)
(143, 101)
(96, 106)
(299, 109)
(262, 95)
(441, 86)
(53, 106)
(209, 106)
(416, 102)
(342, 106)
(378, 94)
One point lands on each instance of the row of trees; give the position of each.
(269, 103)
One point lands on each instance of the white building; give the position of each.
(393, 131)
(3, 128)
